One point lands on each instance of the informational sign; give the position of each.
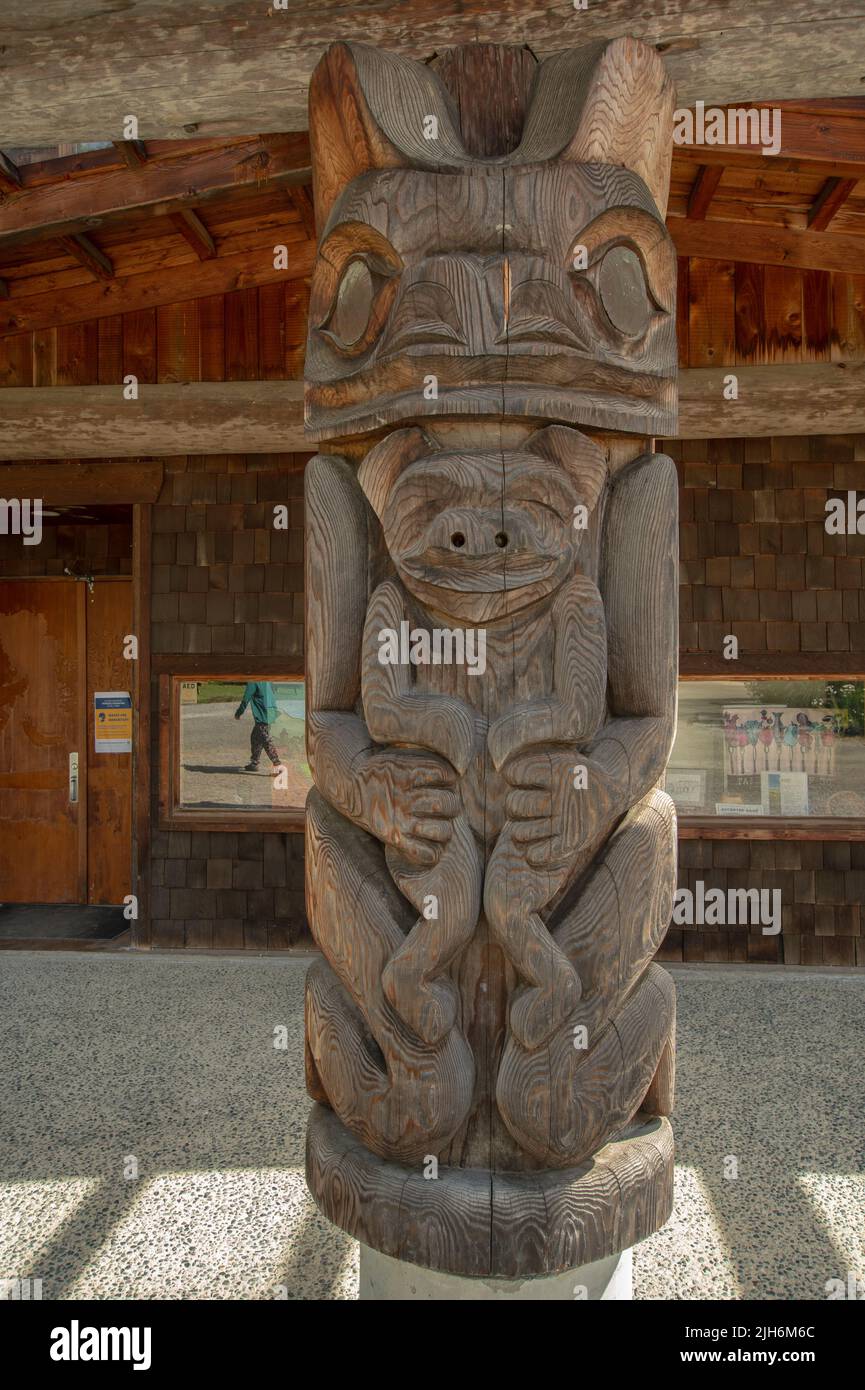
(686, 786)
(738, 808)
(112, 719)
(784, 793)
(189, 692)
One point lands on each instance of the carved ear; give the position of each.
(611, 102)
(583, 461)
(384, 463)
(370, 109)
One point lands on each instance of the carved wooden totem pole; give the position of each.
(492, 645)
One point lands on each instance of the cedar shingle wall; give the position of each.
(755, 558)
(822, 885)
(227, 583)
(756, 561)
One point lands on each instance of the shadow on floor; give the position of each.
(53, 922)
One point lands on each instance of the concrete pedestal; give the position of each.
(390, 1280)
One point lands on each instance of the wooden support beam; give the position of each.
(213, 417)
(4, 289)
(247, 68)
(124, 294)
(781, 399)
(767, 244)
(193, 230)
(132, 152)
(88, 255)
(831, 197)
(703, 190)
(83, 483)
(80, 205)
(263, 417)
(10, 175)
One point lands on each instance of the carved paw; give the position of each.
(410, 802)
(558, 802)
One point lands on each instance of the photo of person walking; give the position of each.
(259, 696)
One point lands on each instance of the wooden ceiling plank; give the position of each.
(703, 190)
(837, 141)
(193, 230)
(767, 244)
(830, 199)
(87, 254)
(70, 207)
(133, 292)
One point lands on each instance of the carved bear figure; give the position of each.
(490, 863)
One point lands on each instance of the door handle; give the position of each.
(73, 778)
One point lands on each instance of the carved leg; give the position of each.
(561, 1101)
(398, 1094)
(513, 896)
(451, 894)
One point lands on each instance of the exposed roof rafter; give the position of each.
(88, 255)
(193, 230)
(703, 190)
(831, 197)
(67, 207)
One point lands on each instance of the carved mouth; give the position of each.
(487, 572)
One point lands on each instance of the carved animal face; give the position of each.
(469, 547)
(539, 284)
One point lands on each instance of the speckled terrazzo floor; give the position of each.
(169, 1063)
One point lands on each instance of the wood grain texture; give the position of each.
(158, 189)
(265, 417)
(502, 1225)
(246, 67)
(768, 245)
(782, 398)
(491, 585)
(97, 422)
(499, 327)
(142, 292)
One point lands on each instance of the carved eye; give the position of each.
(353, 304)
(360, 306)
(622, 290)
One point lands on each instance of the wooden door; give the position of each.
(42, 708)
(60, 643)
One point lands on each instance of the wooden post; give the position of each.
(491, 617)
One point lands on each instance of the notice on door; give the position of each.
(112, 718)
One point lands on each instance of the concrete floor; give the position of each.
(165, 1067)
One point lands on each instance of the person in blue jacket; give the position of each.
(259, 696)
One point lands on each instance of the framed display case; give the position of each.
(232, 752)
(767, 757)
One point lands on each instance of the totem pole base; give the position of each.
(470, 1225)
(388, 1280)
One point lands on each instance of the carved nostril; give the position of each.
(457, 539)
(501, 539)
